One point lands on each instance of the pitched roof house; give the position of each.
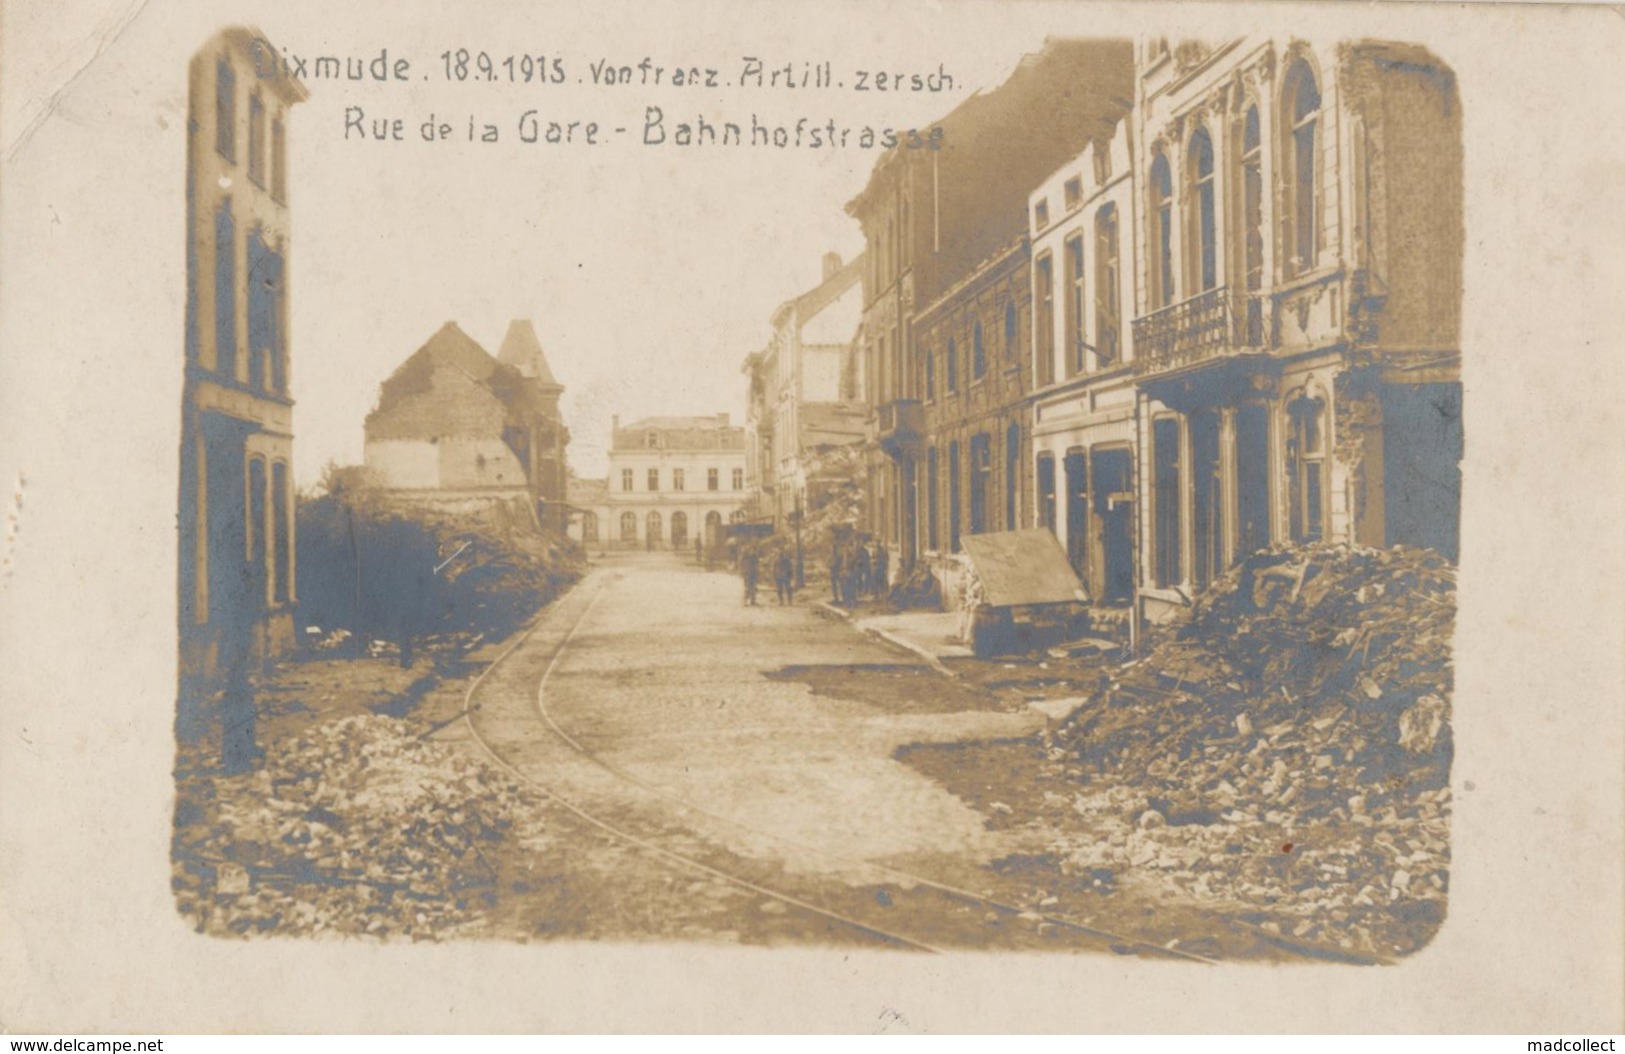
(453, 423)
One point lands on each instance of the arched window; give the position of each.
(978, 358)
(1302, 97)
(257, 534)
(1252, 221)
(1306, 466)
(1203, 251)
(1162, 217)
(629, 526)
(282, 539)
(679, 530)
(652, 529)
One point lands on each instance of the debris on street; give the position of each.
(355, 826)
(1287, 750)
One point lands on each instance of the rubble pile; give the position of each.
(357, 826)
(1287, 749)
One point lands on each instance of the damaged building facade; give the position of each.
(458, 428)
(1296, 343)
(236, 520)
(946, 244)
(1238, 317)
(1083, 410)
(805, 392)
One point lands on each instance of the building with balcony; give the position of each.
(456, 427)
(1297, 273)
(945, 226)
(672, 480)
(236, 512)
(806, 391)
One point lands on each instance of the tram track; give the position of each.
(909, 883)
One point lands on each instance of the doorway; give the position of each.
(1113, 473)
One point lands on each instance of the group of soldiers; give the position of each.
(858, 568)
(779, 561)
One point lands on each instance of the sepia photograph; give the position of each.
(1079, 575)
(976, 489)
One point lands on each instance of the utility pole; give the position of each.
(801, 568)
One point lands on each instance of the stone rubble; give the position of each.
(356, 827)
(1286, 752)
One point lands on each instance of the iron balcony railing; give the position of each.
(1210, 325)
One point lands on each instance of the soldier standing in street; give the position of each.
(784, 571)
(750, 568)
(860, 573)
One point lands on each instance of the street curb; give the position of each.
(909, 646)
(831, 609)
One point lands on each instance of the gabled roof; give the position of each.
(521, 350)
(451, 348)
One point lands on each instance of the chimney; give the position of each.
(832, 265)
(722, 420)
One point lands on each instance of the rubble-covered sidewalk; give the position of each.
(354, 825)
(1285, 754)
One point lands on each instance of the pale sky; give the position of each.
(650, 273)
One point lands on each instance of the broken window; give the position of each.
(259, 545)
(1252, 479)
(1204, 259)
(279, 162)
(1074, 305)
(1077, 507)
(1166, 483)
(931, 534)
(1012, 476)
(282, 524)
(1252, 218)
(256, 140)
(1207, 498)
(1046, 490)
(225, 290)
(981, 480)
(1044, 276)
(1107, 289)
(225, 110)
(1162, 212)
(1306, 467)
(1303, 100)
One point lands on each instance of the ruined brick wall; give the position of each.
(1408, 148)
